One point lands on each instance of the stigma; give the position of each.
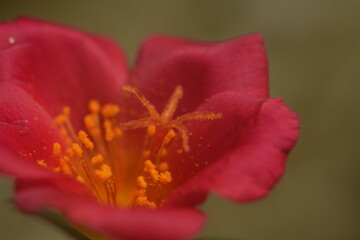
(100, 157)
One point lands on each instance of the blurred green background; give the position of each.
(314, 53)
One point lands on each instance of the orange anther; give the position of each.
(60, 119)
(89, 121)
(152, 205)
(97, 159)
(66, 111)
(94, 106)
(141, 201)
(41, 163)
(118, 132)
(154, 174)
(165, 177)
(151, 130)
(104, 172)
(77, 149)
(148, 166)
(110, 110)
(146, 153)
(56, 149)
(109, 134)
(163, 166)
(141, 182)
(69, 152)
(79, 179)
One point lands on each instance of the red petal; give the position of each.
(116, 223)
(60, 66)
(245, 151)
(203, 69)
(25, 127)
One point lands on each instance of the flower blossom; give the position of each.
(128, 153)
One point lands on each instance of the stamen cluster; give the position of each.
(97, 157)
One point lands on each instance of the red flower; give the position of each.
(130, 155)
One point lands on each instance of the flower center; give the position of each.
(105, 157)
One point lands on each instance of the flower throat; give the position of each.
(119, 175)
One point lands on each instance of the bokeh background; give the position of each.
(314, 53)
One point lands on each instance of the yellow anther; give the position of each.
(97, 159)
(110, 110)
(56, 149)
(165, 177)
(163, 166)
(77, 149)
(154, 174)
(41, 163)
(66, 111)
(89, 121)
(151, 130)
(104, 172)
(60, 119)
(94, 106)
(79, 179)
(148, 166)
(141, 182)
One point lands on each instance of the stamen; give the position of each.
(165, 177)
(77, 149)
(97, 159)
(141, 182)
(42, 163)
(56, 149)
(98, 156)
(104, 173)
